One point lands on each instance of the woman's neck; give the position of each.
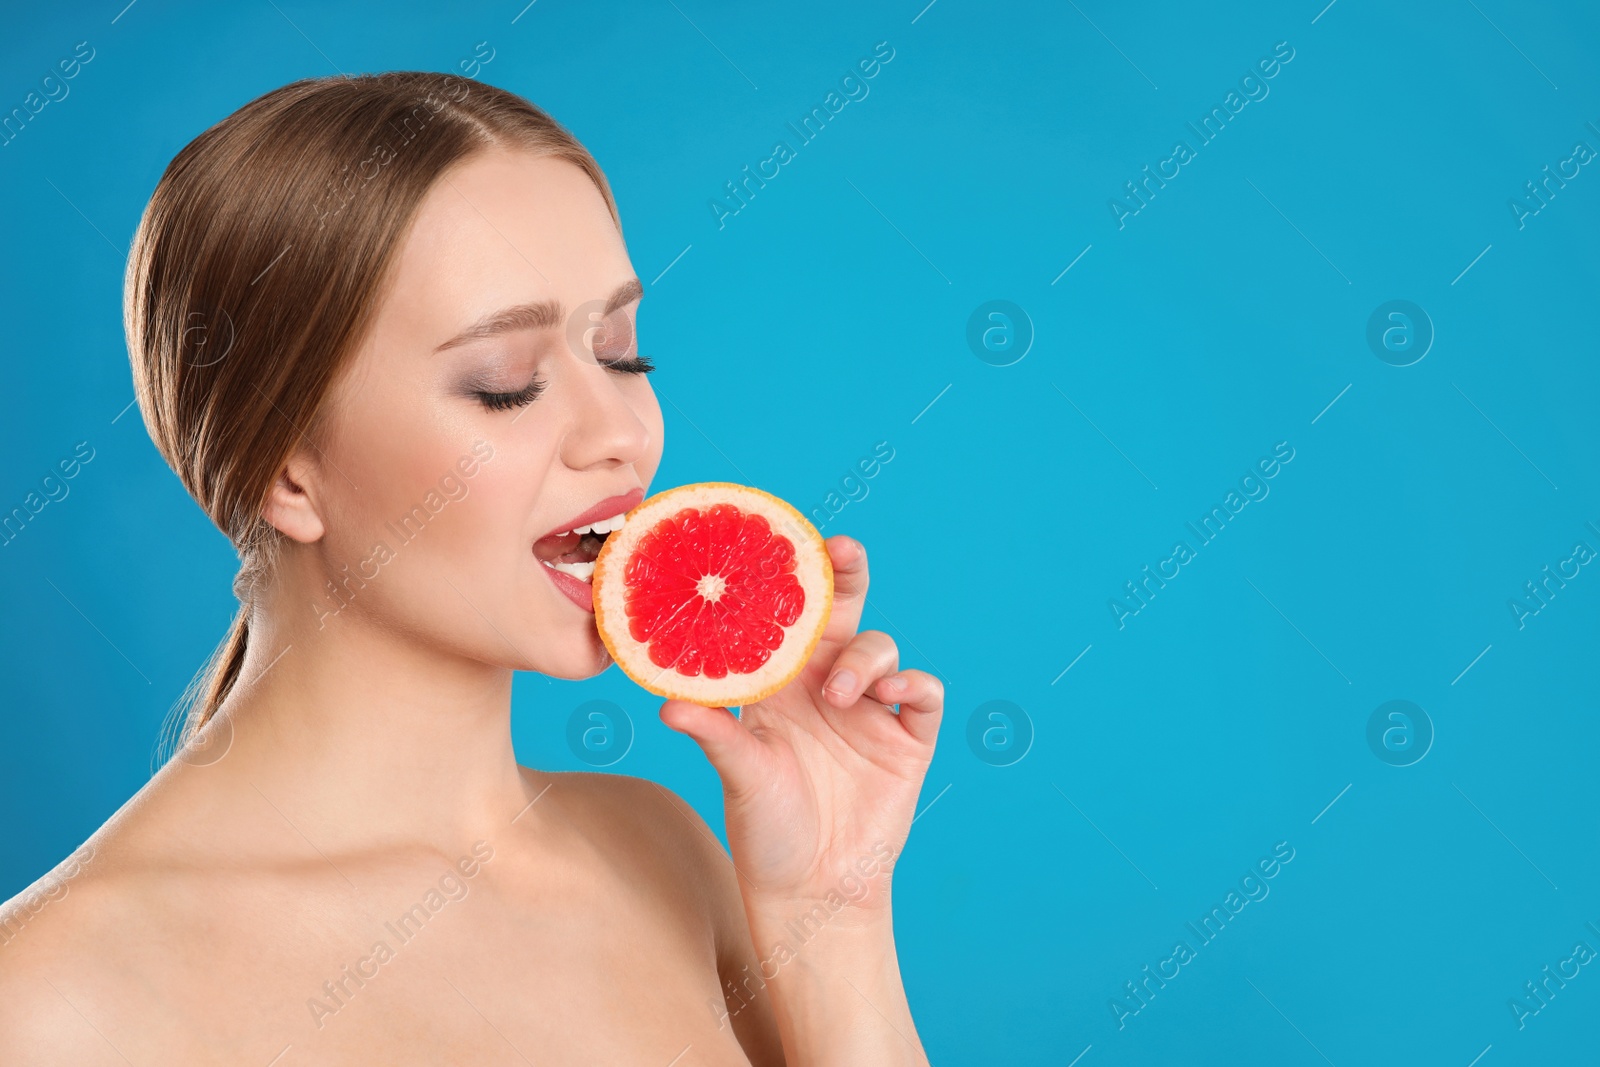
(372, 737)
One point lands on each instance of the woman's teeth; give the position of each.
(591, 537)
(604, 526)
(581, 571)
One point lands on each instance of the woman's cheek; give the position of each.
(648, 410)
(497, 497)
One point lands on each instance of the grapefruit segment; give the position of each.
(715, 593)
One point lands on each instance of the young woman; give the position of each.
(382, 328)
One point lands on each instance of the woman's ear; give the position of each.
(290, 505)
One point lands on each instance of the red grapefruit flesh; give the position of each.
(714, 593)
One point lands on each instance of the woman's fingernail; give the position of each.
(842, 683)
(897, 683)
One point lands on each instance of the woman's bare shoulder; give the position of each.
(102, 884)
(651, 835)
(654, 825)
(649, 821)
(102, 914)
(62, 940)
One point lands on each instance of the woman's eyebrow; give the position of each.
(541, 315)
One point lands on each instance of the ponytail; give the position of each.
(205, 692)
(208, 689)
(220, 673)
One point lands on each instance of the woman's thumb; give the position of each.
(721, 736)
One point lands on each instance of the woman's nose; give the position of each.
(605, 430)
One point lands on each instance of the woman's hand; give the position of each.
(820, 780)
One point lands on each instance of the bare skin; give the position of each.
(358, 787)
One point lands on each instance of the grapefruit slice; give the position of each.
(714, 593)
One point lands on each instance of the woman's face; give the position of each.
(488, 409)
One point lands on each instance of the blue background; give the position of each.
(826, 316)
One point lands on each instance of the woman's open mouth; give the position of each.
(568, 555)
(573, 552)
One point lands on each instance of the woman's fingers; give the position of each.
(868, 656)
(731, 748)
(921, 699)
(849, 561)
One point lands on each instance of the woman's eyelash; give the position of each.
(505, 401)
(530, 392)
(631, 365)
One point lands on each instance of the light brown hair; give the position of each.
(256, 271)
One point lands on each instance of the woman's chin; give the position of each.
(575, 657)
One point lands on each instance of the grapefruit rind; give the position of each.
(733, 690)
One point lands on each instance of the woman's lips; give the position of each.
(574, 550)
(576, 590)
(605, 509)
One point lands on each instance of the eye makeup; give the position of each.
(506, 401)
(615, 336)
(630, 365)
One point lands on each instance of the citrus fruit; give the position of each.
(714, 593)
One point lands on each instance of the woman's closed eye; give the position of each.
(505, 401)
(629, 365)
